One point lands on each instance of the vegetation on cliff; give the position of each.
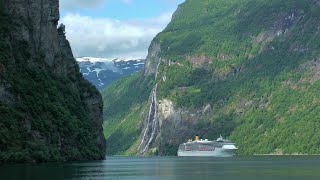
(43, 114)
(255, 63)
(124, 110)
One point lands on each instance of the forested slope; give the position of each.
(246, 69)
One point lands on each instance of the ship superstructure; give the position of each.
(204, 147)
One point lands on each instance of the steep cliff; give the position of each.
(246, 69)
(48, 112)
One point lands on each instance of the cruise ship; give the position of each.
(204, 147)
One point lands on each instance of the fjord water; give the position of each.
(240, 168)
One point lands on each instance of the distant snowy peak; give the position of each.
(103, 71)
(94, 59)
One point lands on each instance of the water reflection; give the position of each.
(289, 167)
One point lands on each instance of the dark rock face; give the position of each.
(48, 111)
(35, 22)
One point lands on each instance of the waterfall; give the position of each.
(148, 120)
(154, 120)
(152, 123)
(151, 128)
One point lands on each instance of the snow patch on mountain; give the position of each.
(103, 71)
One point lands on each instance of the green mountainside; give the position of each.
(48, 111)
(246, 69)
(124, 110)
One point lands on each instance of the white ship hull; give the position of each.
(218, 152)
(219, 148)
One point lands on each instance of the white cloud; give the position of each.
(103, 37)
(75, 4)
(86, 4)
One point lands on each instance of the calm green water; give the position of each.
(240, 168)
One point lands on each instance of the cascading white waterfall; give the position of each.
(151, 126)
(148, 121)
(154, 121)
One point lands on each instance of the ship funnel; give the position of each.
(196, 138)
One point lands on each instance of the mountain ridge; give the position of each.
(241, 68)
(101, 72)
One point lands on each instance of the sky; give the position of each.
(114, 28)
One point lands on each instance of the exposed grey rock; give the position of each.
(153, 59)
